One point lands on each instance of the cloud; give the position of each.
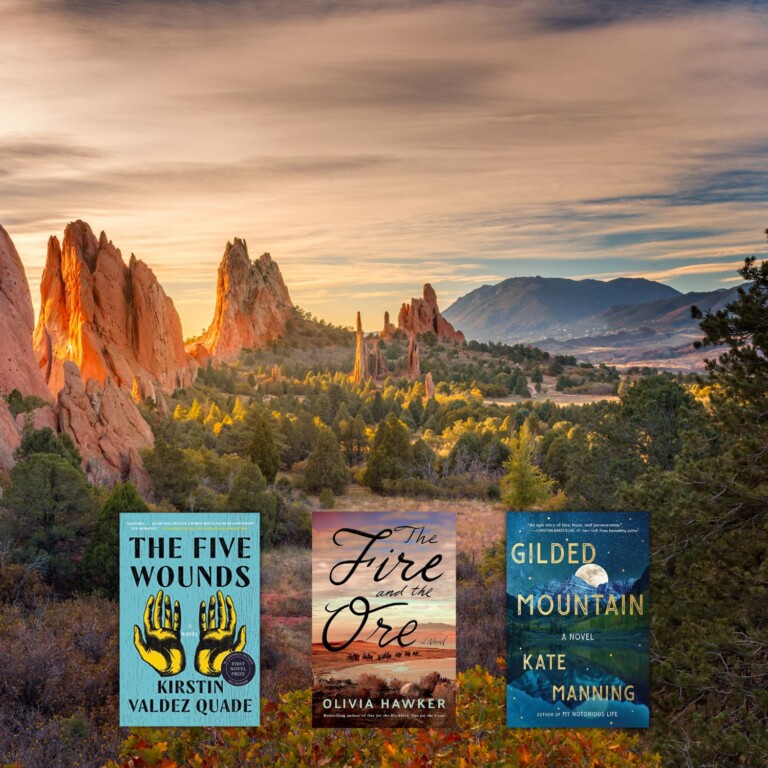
(705, 268)
(372, 146)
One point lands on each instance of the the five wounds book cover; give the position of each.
(189, 619)
(383, 619)
(577, 619)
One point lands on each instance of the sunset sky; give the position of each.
(439, 539)
(373, 145)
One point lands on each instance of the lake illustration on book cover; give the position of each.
(189, 619)
(577, 619)
(383, 619)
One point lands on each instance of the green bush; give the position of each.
(327, 499)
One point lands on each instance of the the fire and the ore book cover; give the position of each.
(383, 619)
(189, 619)
(577, 619)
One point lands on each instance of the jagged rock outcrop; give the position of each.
(113, 320)
(389, 328)
(252, 306)
(376, 360)
(18, 362)
(361, 371)
(40, 418)
(106, 426)
(414, 359)
(370, 362)
(422, 315)
(429, 385)
(103, 420)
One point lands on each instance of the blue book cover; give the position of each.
(577, 619)
(189, 619)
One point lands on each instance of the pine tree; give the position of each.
(326, 467)
(170, 470)
(49, 505)
(391, 457)
(525, 486)
(101, 561)
(263, 450)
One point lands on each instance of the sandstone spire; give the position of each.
(422, 316)
(377, 361)
(252, 306)
(361, 372)
(429, 385)
(389, 328)
(414, 360)
(112, 319)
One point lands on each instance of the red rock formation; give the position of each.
(423, 315)
(429, 385)
(107, 428)
(376, 361)
(362, 371)
(389, 328)
(9, 436)
(252, 306)
(114, 320)
(40, 418)
(414, 359)
(103, 421)
(18, 363)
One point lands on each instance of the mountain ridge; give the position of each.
(532, 309)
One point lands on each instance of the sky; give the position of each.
(329, 547)
(372, 146)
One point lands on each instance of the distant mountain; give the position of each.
(524, 308)
(627, 320)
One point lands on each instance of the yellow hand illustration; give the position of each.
(162, 649)
(217, 635)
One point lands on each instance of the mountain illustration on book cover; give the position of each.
(189, 619)
(383, 619)
(577, 619)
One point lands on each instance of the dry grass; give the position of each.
(286, 570)
(549, 393)
(286, 608)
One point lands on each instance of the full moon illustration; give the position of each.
(593, 574)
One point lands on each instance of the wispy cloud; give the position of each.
(371, 145)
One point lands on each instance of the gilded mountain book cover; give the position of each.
(577, 619)
(383, 619)
(189, 619)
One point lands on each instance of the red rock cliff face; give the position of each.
(113, 320)
(18, 362)
(423, 315)
(252, 306)
(107, 428)
(103, 420)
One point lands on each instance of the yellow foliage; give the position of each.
(482, 740)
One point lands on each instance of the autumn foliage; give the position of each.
(285, 740)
